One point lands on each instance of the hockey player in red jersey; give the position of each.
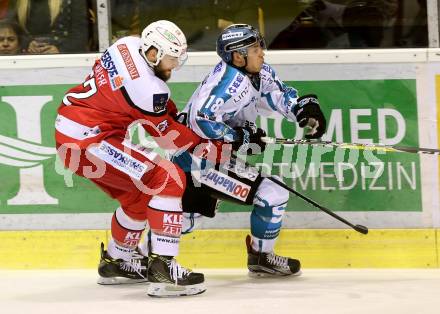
(127, 85)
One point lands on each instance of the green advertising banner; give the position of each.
(347, 180)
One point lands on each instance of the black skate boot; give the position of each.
(168, 279)
(117, 271)
(270, 264)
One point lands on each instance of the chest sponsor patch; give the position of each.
(160, 102)
(235, 84)
(120, 160)
(227, 185)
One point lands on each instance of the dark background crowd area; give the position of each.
(70, 26)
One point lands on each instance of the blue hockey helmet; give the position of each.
(237, 37)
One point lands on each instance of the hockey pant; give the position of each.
(269, 201)
(147, 187)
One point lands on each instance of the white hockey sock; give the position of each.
(117, 251)
(164, 245)
(262, 245)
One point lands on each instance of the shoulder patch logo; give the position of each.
(116, 82)
(160, 102)
(128, 60)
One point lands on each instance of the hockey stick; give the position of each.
(376, 147)
(358, 228)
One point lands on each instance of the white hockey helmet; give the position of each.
(167, 38)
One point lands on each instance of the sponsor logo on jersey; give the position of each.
(160, 102)
(217, 68)
(167, 240)
(117, 82)
(235, 84)
(128, 60)
(109, 64)
(132, 238)
(120, 160)
(227, 185)
(240, 97)
(172, 223)
(232, 35)
(163, 125)
(266, 68)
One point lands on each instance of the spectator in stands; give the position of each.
(11, 38)
(54, 25)
(324, 24)
(364, 22)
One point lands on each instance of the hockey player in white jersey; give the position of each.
(225, 107)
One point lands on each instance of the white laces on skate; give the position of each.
(134, 264)
(277, 260)
(177, 271)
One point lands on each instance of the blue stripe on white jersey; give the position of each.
(219, 91)
(207, 119)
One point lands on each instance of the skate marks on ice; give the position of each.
(229, 291)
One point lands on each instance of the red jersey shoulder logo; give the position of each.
(128, 60)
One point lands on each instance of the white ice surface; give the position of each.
(229, 291)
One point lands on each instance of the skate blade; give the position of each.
(167, 290)
(254, 274)
(108, 281)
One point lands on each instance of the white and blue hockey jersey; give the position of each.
(227, 98)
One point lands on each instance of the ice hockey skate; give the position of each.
(168, 279)
(269, 264)
(117, 271)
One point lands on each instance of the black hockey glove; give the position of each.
(249, 139)
(308, 113)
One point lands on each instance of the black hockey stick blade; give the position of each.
(361, 229)
(358, 228)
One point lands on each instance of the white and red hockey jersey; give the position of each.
(120, 90)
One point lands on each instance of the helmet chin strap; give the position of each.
(254, 77)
